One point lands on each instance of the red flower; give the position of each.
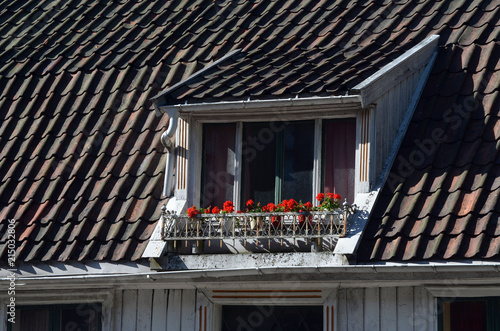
(320, 196)
(270, 207)
(192, 212)
(290, 204)
(330, 195)
(228, 207)
(250, 203)
(308, 205)
(239, 212)
(215, 210)
(336, 196)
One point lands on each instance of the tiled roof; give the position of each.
(441, 201)
(81, 164)
(326, 48)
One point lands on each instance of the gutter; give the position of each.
(221, 106)
(169, 144)
(434, 267)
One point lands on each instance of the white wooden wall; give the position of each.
(390, 111)
(155, 310)
(386, 308)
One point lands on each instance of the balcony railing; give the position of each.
(246, 226)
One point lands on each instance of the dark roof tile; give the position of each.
(80, 154)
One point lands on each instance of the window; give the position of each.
(279, 160)
(84, 317)
(469, 314)
(275, 318)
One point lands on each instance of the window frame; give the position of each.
(55, 313)
(492, 309)
(194, 190)
(104, 298)
(210, 303)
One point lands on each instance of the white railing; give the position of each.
(276, 225)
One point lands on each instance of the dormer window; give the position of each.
(279, 160)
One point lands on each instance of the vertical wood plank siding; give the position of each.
(391, 110)
(155, 310)
(377, 308)
(386, 308)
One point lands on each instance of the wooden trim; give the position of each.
(318, 160)
(365, 141)
(238, 146)
(327, 318)
(397, 71)
(182, 150)
(265, 291)
(266, 296)
(205, 319)
(333, 318)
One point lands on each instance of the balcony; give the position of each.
(312, 228)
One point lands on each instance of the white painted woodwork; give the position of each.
(386, 308)
(144, 309)
(174, 310)
(404, 299)
(397, 71)
(347, 308)
(342, 315)
(159, 310)
(371, 311)
(129, 310)
(117, 310)
(330, 312)
(188, 309)
(355, 298)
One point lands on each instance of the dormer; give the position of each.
(269, 149)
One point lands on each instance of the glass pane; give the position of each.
(218, 164)
(466, 315)
(298, 161)
(32, 319)
(339, 151)
(83, 317)
(259, 155)
(272, 318)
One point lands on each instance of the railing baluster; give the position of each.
(249, 226)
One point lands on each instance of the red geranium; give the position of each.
(270, 207)
(215, 210)
(336, 196)
(192, 212)
(330, 195)
(291, 204)
(308, 206)
(250, 203)
(228, 207)
(320, 196)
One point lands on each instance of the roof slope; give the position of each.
(81, 165)
(441, 201)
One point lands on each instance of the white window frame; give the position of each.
(209, 307)
(64, 297)
(193, 192)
